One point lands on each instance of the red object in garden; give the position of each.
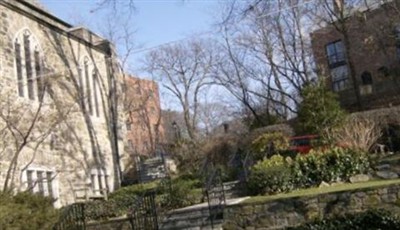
(302, 144)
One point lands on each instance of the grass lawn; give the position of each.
(315, 191)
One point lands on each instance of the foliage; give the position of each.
(26, 211)
(186, 155)
(102, 210)
(371, 219)
(119, 202)
(269, 143)
(177, 193)
(270, 176)
(318, 111)
(336, 164)
(281, 175)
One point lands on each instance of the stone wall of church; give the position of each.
(68, 150)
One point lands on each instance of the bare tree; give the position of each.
(267, 55)
(184, 70)
(24, 126)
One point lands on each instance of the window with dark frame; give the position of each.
(340, 78)
(335, 53)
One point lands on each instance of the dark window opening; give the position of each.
(335, 54)
(96, 103)
(39, 78)
(49, 179)
(40, 182)
(366, 78)
(88, 92)
(29, 175)
(28, 66)
(19, 69)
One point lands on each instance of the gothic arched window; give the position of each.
(29, 65)
(89, 86)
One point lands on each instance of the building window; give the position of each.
(88, 91)
(38, 71)
(99, 181)
(128, 125)
(366, 78)
(41, 181)
(335, 54)
(28, 64)
(340, 78)
(89, 87)
(95, 85)
(18, 63)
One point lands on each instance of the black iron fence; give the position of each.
(72, 218)
(143, 215)
(215, 194)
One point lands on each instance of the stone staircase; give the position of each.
(152, 169)
(192, 218)
(196, 217)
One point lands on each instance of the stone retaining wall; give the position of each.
(282, 213)
(114, 224)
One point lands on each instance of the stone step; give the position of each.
(194, 217)
(190, 219)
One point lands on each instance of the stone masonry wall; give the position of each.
(79, 146)
(282, 213)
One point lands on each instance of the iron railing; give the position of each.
(215, 194)
(72, 218)
(143, 214)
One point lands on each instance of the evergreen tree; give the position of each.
(319, 111)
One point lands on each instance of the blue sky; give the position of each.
(156, 21)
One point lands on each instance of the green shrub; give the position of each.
(276, 174)
(27, 211)
(270, 176)
(328, 165)
(119, 202)
(177, 193)
(276, 140)
(371, 219)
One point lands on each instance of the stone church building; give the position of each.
(59, 122)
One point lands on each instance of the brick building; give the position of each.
(59, 114)
(144, 124)
(373, 50)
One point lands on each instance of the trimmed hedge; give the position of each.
(277, 174)
(118, 204)
(27, 211)
(175, 193)
(371, 219)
